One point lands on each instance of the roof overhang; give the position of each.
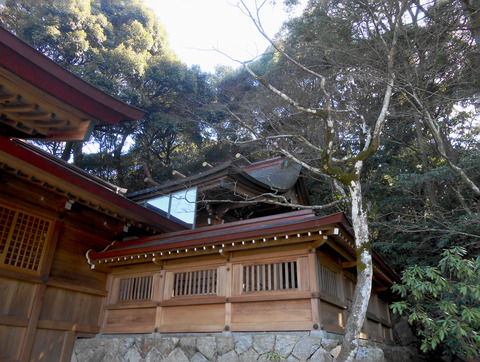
(246, 182)
(271, 231)
(39, 99)
(41, 168)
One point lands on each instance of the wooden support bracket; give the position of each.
(318, 243)
(349, 264)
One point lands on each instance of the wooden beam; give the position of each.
(7, 320)
(40, 118)
(318, 243)
(9, 108)
(340, 250)
(349, 264)
(271, 296)
(33, 322)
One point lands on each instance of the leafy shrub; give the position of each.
(443, 302)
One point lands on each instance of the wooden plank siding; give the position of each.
(290, 287)
(47, 301)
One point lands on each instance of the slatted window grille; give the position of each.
(275, 276)
(329, 281)
(23, 237)
(139, 288)
(200, 282)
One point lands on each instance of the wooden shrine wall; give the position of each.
(49, 295)
(273, 289)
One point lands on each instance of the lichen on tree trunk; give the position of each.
(363, 286)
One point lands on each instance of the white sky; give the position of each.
(195, 27)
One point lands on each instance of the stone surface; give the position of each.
(116, 348)
(133, 355)
(188, 346)
(263, 343)
(153, 355)
(207, 347)
(250, 355)
(330, 344)
(166, 345)
(403, 331)
(291, 358)
(243, 343)
(284, 344)
(232, 347)
(336, 351)
(224, 344)
(318, 333)
(228, 357)
(177, 355)
(399, 354)
(198, 357)
(370, 354)
(321, 355)
(145, 343)
(305, 347)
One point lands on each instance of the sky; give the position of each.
(196, 27)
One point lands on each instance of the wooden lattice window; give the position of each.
(23, 239)
(275, 276)
(200, 282)
(139, 288)
(329, 281)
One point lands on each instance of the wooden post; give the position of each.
(314, 287)
(68, 344)
(228, 292)
(33, 322)
(158, 290)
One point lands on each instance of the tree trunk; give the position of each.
(67, 150)
(363, 287)
(77, 150)
(117, 160)
(429, 188)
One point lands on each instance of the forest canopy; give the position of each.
(384, 94)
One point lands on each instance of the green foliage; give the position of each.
(272, 356)
(444, 303)
(121, 47)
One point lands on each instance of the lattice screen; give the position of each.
(270, 277)
(201, 282)
(6, 220)
(136, 288)
(329, 281)
(23, 237)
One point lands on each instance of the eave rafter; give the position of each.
(38, 115)
(91, 203)
(315, 237)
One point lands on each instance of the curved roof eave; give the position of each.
(19, 58)
(226, 169)
(102, 195)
